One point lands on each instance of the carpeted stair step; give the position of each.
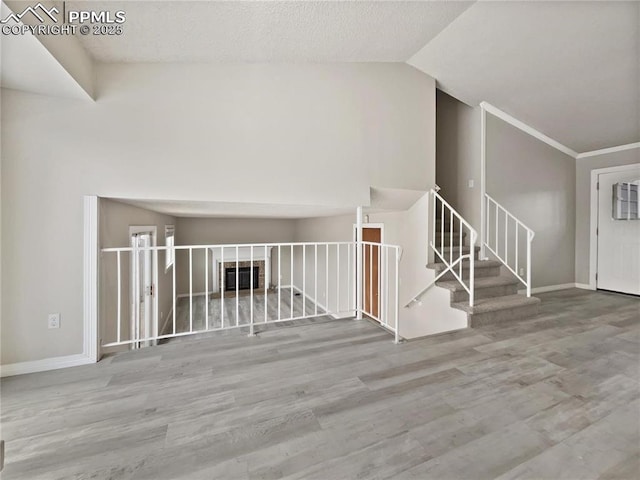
(483, 268)
(488, 287)
(490, 311)
(456, 252)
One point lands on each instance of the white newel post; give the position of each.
(359, 263)
(483, 186)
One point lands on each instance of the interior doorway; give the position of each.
(144, 278)
(373, 268)
(618, 230)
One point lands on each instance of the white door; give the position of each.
(618, 238)
(142, 288)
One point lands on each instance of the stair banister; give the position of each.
(490, 204)
(450, 262)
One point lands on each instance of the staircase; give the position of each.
(496, 298)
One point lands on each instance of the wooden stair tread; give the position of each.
(496, 303)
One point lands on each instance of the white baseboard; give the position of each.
(584, 286)
(44, 365)
(550, 288)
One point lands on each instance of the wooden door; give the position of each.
(371, 262)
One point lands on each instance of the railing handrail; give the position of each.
(310, 268)
(246, 245)
(455, 212)
(461, 257)
(231, 245)
(488, 202)
(516, 219)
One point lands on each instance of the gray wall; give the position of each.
(584, 166)
(458, 155)
(537, 184)
(216, 231)
(115, 220)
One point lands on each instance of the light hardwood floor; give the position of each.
(552, 397)
(281, 304)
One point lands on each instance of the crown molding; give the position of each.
(496, 112)
(605, 151)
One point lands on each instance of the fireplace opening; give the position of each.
(244, 278)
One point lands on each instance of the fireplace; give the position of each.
(243, 278)
(242, 261)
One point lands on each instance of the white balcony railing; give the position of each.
(214, 287)
(504, 235)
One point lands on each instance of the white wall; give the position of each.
(584, 166)
(295, 134)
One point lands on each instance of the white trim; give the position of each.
(483, 180)
(496, 112)
(593, 226)
(593, 218)
(584, 286)
(44, 365)
(549, 288)
(605, 151)
(90, 344)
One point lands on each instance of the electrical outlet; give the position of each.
(54, 320)
(471, 183)
(522, 272)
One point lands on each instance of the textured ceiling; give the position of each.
(568, 69)
(271, 31)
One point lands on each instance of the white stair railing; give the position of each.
(451, 251)
(502, 237)
(277, 282)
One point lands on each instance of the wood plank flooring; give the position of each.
(553, 397)
(281, 304)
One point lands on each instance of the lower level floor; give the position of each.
(552, 397)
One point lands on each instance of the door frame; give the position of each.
(593, 217)
(153, 229)
(383, 270)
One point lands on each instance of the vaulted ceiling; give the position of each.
(271, 31)
(568, 69)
